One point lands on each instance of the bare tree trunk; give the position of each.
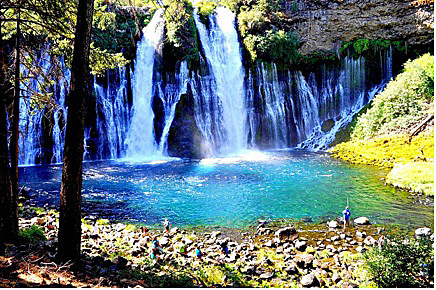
(5, 182)
(70, 230)
(11, 225)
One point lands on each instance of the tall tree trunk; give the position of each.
(11, 225)
(5, 182)
(71, 197)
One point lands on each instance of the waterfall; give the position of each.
(112, 117)
(220, 109)
(42, 126)
(170, 97)
(140, 139)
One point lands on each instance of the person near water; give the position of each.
(198, 252)
(346, 212)
(224, 247)
(166, 224)
(183, 249)
(94, 234)
(156, 245)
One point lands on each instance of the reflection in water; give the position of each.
(233, 191)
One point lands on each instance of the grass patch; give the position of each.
(415, 176)
(386, 151)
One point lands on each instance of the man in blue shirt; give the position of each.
(346, 212)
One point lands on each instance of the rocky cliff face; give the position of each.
(325, 24)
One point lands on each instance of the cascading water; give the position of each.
(140, 140)
(41, 129)
(268, 109)
(287, 109)
(170, 97)
(112, 117)
(220, 109)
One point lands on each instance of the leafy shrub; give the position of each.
(278, 46)
(181, 36)
(402, 263)
(403, 103)
(32, 235)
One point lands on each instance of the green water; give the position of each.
(233, 192)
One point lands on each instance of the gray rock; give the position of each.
(215, 234)
(269, 244)
(309, 281)
(369, 241)
(291, 268)
(300, 245)
(164, 242)
(422, 232)
(361, 234)
(304, 260)
(335, 238)
(120, 262)
(361, 221)
(266, 275)
(286, 234)
(332, 224)
(360, 249)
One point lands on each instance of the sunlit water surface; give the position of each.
(233, 191)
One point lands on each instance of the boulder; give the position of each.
(369, 241)
(304, 260)
(360, 221)
(164, 241)
(333, 224)
(286, 234)
(174, 230)
(300, 245)
(361, 234)
(360, 249)
(119, 262)
(188, 241)
(291, 268)
(266, 275)
(215, 234)
(309, 281)
(422, 232)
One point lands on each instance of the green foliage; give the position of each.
(117, 32)
(278, 46)
(403, 103)
(364, 46)
(204, 9)
(400, 263)
(33, 235)
(231, 4)
(182, 39)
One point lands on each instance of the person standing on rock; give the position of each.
(94, 234)
(166, 225)
(346, 212)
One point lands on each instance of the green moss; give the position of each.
(415, 177)
(386, 151)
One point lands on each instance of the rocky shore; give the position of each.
(304, 255)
